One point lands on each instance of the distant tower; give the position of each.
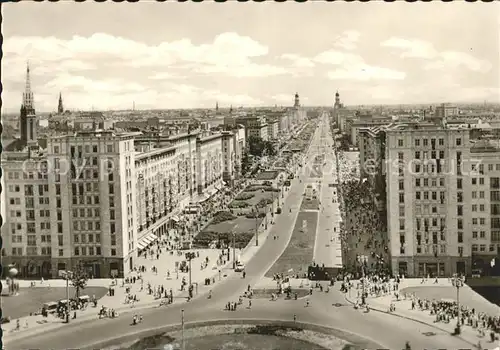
(60, 108)
(297, 100)
(231, 109)
(337, 99)
(27, 118)
(216, 106)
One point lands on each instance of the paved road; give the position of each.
(327, 248)
(386, 330)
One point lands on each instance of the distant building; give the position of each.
(445, 111)
(60, 107)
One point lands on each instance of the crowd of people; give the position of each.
(446, 311)
(362, 227)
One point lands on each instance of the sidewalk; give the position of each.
(38, 324)
(403, 310)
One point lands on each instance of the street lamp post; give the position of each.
(256, 226)
(182, 330)
(67, 276)
(458, 282)
(234, 251)
(190, 256)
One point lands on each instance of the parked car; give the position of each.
(239, 267)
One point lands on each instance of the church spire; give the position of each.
(60, 108)
(28, 102)
(217, 106)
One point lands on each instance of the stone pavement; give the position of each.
(327, 247)
(36, 324)
(403, 309)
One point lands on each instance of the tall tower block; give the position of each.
(27, 120)
(297, 101)
(60, 107)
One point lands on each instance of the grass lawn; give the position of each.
(258, 196)
(309, 204)
(32, 299)
(467, 297)
(239, 225)
(299, 253)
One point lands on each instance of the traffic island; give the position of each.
(245, 334)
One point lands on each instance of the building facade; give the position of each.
(428, 186)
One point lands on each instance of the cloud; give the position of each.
(228, 52)
(164, 76)
(453, 59)
(353, 67)
(366, 72)
(243, 70)
(286, 99)
(347, 40)
(84, 84)
(337, 57)
(412, 48)
(298, 61)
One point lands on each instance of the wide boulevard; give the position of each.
(326, 309)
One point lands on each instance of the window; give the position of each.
(417, 195)
(481, 180)
(474, 194)
(417, 155)
(459, 184)
(401, 185)
(460, 251)
(460, 198)
(458, 141)
(401, 198)
(77, 251)
(460, 210)
(113, 252)
(401, 211)
(474, 234)
(474, 247)
(482, 234)
(417, 182)
(426, 142)
(474, 181)
(460, 224)
(60, 240)
(460, 237)
(401, 224)
(400, 143)
(482, 248)
(482, 221)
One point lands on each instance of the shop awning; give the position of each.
(145, 240)
(224, 183)
(203, 198)
(175, 218)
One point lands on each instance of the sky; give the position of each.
(191, 55)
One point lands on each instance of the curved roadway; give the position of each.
(388, 331)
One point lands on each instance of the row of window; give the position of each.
(91, 251)
(86, 225)
(83, 238)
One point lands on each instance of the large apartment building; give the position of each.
(100, 197)
(442, 196)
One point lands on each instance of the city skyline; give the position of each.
(257, 57)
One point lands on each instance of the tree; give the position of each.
(269, 148)
(256, 146)
(79, 278)
(245, 163)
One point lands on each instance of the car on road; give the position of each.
(240, 267)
